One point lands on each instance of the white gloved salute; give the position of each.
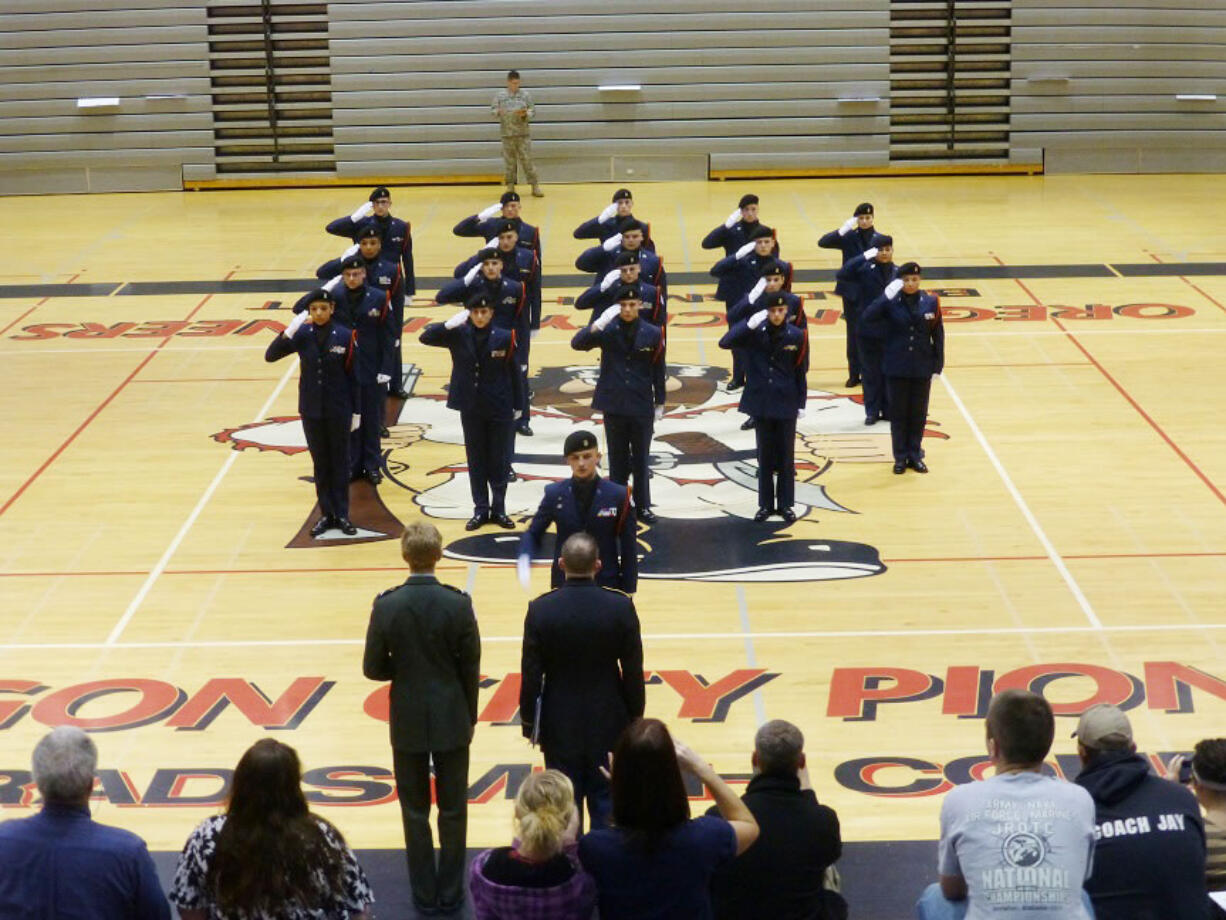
(848, 226)
(492, 211)
(351, 251)
(457, 319)
(492, 242)
(471, 274)
(365, 210)
(609, 314)
(756, 291)
(295, 324)
(659, 412)
(870, 253)
(732, 219)
(892, 289)
(757, 319)
(744, 250)
(355, 422)
(331, 285)
(523, 568)
(607, 214)
(610, 279)
(383, 378)
(612, 242)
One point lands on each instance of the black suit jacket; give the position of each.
(780, 876)
(423, 638)
(584, 640)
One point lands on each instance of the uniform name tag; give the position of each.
(789, 347)
(337, 349)
(498, 354)
(384, 279)
(606, 512)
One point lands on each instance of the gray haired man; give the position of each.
(514, 109)
(60, 862)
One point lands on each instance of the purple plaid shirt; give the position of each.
(574, 900)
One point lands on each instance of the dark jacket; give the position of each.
(780, 876)
(584, 640)
(852, 243)
(594, 230)
(737, 277)
(651, 266)
(486, 383)
(653, 309)
(365, 311)
(870, 278)
(529, 236)
(397, 238)
(326, 388)
(776, 368)
(423, 638)
(380, 273)
(1149, 843)
(914, 346)
(610, 519)
(743, 309)
(509, 298)
(631, 380)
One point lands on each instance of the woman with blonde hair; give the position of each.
(538, 877)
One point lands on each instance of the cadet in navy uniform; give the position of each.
(380, 272)
(583, 658)
(364, 310)
(738, 273)
(327, 401)
(397, 248)
(485, 225)
(603, 294)
(734, 232)
(774, 276)
(484, 389)
(587, 503)
(605, 224)
(871, 271)
(629, 238)
(629, 390)
(776, 366)
(854, 236)
(914, 352)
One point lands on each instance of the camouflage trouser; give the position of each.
(517, 151)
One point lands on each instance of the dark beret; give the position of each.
(910, 268)
(622, 193)
(884, 239)
(577, 441)
(627, 257)
(773, 267)
(507, 226)
(629, 292)
(864, 208)
(380, 192)
(509, 196)
(775, 300)
(478, 300)
(488, 253)
(353, 262)
(321, 294)
(369, 231)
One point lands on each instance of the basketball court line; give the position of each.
(759, 706)
(160, 567)
(1052, 554)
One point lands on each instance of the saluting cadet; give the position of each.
(603, 294)
(327, 402)
(364, 310)
(734, 232)
(485, 225)
(605, 224)
(629, 390)
(600, 260)
(776, 366)
(397, 248)
(586, 502)
(775, 275)
(854, 236)
(914, 352)
(738, 273)
(871, 271)
(484, 389)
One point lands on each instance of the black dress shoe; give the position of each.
(346, 527)
(476, 521)
(852, 381)
(399, 394)
(749, 424)
(512, 476)
(502, 521)
(899, 469)
(918, 466)
(321, 525)
(374, 477)
(735, 385)
(762, 515)
(871, 420)
(525, 429)
(787, 514)
(383, 432)
(647, 516)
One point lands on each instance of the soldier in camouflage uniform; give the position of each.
(514, 109)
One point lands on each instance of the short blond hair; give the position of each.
(421, 545)
(544, 808)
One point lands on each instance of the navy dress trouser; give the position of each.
(629, 440)
(485, 446)
(328, 441)
(876, 399)
(364, 452)
(776, 439)
(908, 413)
(851, 314)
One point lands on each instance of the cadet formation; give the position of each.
(347, 334)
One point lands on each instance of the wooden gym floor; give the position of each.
(1071, 536)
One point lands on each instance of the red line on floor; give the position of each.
(24, 315)
(1212, 300)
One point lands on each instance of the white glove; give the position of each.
(610, 279)
(757, 319)
(744, 250)
(892, 289)
(517, 415)
(383, 378)
(492, 242)
(365, 210)
(351, 251)
(732, 219)
(458, 319)
(471, 274)
(756, 291)
(609, 314)
(612, 242)
(848, 226)
(295, 324)
(870, 253)
(607, 214)
(331, 285)
(659, 412)
(523, 567)
(490, 212)
(800, 413)
(355, 422)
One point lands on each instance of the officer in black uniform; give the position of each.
(914, 352)
(583, 660)
(606, 223)
(776, 389)
(854, 236)
(484, 389)
(327, 401)
(629, 390)
(870, 272)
